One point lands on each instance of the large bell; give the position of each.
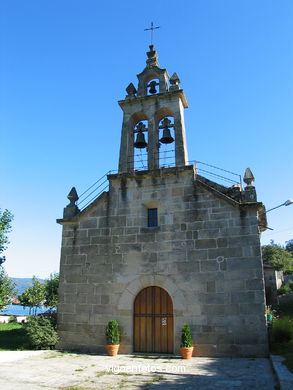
(153, 87)
(167, 138)
(140, 141)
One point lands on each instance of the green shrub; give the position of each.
(112, 333)
(12, 319)
(41, 332)
(286, 309)
(282, 330)
(186, 338)
(287, 288)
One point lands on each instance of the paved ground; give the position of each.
(10, 356)
(284, 375)
(55, 370)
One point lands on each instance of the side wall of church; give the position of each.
(205, 252)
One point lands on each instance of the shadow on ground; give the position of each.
(205, 374)
(13, 339)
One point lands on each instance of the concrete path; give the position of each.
(10, 356)
(55, 370)
(284, 375)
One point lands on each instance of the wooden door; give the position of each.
(153, 321)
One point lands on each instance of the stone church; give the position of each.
(164, 246)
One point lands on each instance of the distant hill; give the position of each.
(23, 283)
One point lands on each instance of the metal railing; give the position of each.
(216, 173)
(140, 162)
(204, 169)
(95, 189)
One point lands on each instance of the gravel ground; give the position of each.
(68, 371)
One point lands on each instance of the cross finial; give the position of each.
(152, 28)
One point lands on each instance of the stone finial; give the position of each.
(72, 196)
(152, 57)
(131, 90)
(249, 194)
(71, 209)
(174, 81)
(248, 177)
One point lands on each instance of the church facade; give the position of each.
(164, 246)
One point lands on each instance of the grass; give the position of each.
(54, 355)
(76, 388)
(102, 373)
(122, 384)
(156, 378)
(285, 349)
(13, 337)
(82, 386)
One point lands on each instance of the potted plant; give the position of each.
(186, 347)
(113, 337)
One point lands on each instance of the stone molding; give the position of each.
(127, 298)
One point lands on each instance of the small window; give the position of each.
(152, 217)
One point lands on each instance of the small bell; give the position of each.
(140, 141)
(167, 138)
(152, 86)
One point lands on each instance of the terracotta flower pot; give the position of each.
(112, 349)
(186, 352)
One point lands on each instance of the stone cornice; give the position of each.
(140, 99)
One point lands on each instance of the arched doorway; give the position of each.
(153, 321)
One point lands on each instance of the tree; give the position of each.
(6, 289)
(5, 227)
(34, 296)
(278, 257)
(51, 291)
(289, 246)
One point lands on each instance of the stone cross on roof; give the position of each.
(151, 29)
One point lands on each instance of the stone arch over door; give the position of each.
(126, 304)
(153, 322)
(134, 286)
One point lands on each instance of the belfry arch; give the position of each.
(164, 120)
(138, 141)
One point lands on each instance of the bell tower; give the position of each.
(153, 118)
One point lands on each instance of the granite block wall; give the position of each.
(205, 253)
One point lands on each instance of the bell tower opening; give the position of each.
(152, 86)
(166, 142)
(140, 156)
(153, 129)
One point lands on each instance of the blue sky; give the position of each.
(65, 64)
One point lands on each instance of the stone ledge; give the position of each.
(159, 172)
(162, 95)
(285, 377)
